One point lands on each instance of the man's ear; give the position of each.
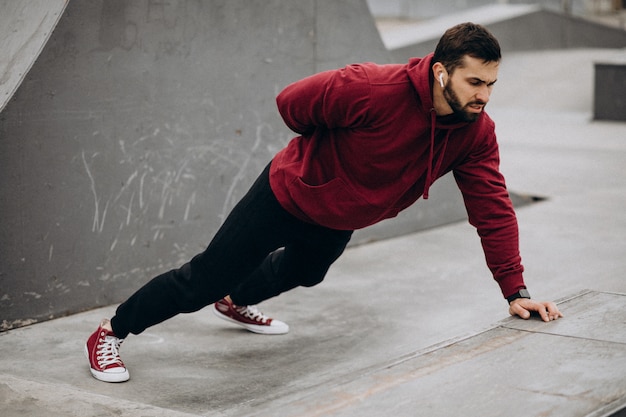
(440, 73)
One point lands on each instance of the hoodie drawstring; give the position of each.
(431, 154)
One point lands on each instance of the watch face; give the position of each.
(524, 293)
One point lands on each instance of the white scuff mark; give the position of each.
(50, 251)
(129, 209)
(191, 201)
(8, 325)
(126, 185)
(143, 176)
(98, 222)
(141, 139)
(155, 339)
(158, 230)
(241, 173)
(133, 240)
(166, 192)
(122, 147)
(180, 170)
(33, 294)
(113, 245)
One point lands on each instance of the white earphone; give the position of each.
(441, 79)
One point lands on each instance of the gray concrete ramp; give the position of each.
(195, 366)
(572, 367)
(25, 27)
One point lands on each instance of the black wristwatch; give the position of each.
(523, 293)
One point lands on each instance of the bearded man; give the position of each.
(371, 141)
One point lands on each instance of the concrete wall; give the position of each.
(138, 128)
(538, 30)
(419, 9)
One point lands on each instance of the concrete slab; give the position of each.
(193, 365)
(532, 368)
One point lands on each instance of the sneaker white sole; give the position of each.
(117, 375)
(277, 327)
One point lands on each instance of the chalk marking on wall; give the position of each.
(98, 222)
(141, 181)
(158, 230)
(191, 201)
(165, 193)
(33, 294)
(129, 209)
(126, 185)
(122, 147)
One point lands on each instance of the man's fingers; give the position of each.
(553, 311)
(523, 306)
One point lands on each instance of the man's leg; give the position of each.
(302, 262)
(238, 248)
(247, 236)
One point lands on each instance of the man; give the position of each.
(372, 141)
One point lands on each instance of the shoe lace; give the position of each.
(108, 351)
(252, 312)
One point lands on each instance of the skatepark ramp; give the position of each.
(26, 27)
(130, 128)
(518, 27)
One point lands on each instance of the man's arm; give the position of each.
(490, 210)
(330, 100)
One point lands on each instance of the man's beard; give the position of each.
(459, 110)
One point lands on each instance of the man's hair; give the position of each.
(466, 39)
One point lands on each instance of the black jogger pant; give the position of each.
(259, 252)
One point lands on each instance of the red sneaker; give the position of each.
(248, 317)
(102, 350)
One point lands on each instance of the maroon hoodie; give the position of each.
(371, 145)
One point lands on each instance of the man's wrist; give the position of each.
(523, 293)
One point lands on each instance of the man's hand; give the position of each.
(524, 306)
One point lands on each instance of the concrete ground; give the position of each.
(407, 326)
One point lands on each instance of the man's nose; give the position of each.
(483, 94)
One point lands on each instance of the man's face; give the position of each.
(469, 87)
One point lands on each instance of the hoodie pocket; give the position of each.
(334, 205)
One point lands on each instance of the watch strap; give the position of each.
(523, 293)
